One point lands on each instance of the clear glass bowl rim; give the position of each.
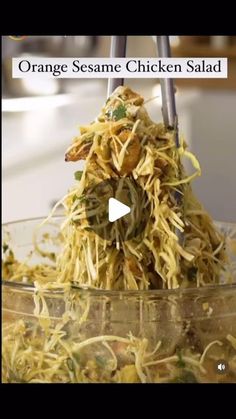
(120, 293)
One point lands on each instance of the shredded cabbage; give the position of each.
(181, 248)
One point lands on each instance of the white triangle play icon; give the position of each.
(116, 209)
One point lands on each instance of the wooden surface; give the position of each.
(207, 51)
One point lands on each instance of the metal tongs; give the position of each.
(167, 90)
(118, 49)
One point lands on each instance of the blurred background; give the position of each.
(41, 117)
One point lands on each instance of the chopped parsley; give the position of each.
(119, 113)
(78, 175)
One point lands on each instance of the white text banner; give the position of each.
(84, 68)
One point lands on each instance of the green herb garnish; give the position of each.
(78, 175)
(5, 247)
(119, 113)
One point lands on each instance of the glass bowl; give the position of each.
(90, 336)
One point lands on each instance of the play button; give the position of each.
(116, 210)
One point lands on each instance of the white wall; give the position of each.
(213, 140)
